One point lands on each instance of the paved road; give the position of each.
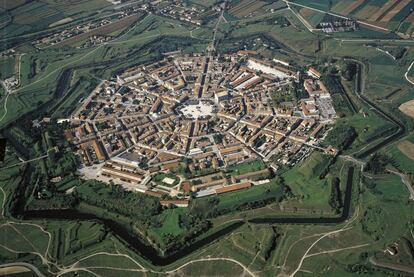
(27, 265)
(406, 73)
(406, 181)
(337, 15)
(352, 159)
(8, 93)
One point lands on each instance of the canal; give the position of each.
(152, 255)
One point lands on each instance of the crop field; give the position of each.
(203, 3)
(7, 66)
(5, 19)
(245, 7)
(382, 13)
(11, 4)
(345, 7)
(407, 148)
(408, 108)
(38, 15)
(402, 154)
(104, 30)
(311, 16)
(324, 5)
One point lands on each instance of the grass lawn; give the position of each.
(170, 223)
(232, 201)
(159, 178)
(7, 66)
(212, 268)
(304, 181)
(243, 168)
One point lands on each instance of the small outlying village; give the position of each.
(172, 128)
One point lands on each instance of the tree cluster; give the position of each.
(335, 199)
(341, 136)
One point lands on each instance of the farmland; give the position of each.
(246, 7)
(407, 108)
(402, 153)
(387, 15)
(104, 30)
(29, 16)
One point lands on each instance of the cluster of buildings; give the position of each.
(83, 28)
(336, 25)
(11, 83)
(184, 11)
(192, 114)
(94, 41)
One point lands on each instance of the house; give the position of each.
(314, 73)
(233, 187)
(181, 203)
(221, 96)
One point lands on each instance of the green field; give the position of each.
(311, 191)
(159, 177)
(243, 168)
(7, 66)
(34, 16)
(170, 223)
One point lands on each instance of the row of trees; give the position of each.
(335, 199)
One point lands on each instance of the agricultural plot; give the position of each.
(246, 7)
(311, 16)
(346, 7)
(5, 19)
(408, 108)
(324, 5)
(104, 30)
(407, 148)
(31, 16)
(402, 154)
(388, 14)
(7, 66)
(11, 4)
(203, 3)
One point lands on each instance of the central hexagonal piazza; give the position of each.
(198, 109)
(199, 113)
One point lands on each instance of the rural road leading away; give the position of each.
(406, 73)
(27, 265)
(406, 181)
